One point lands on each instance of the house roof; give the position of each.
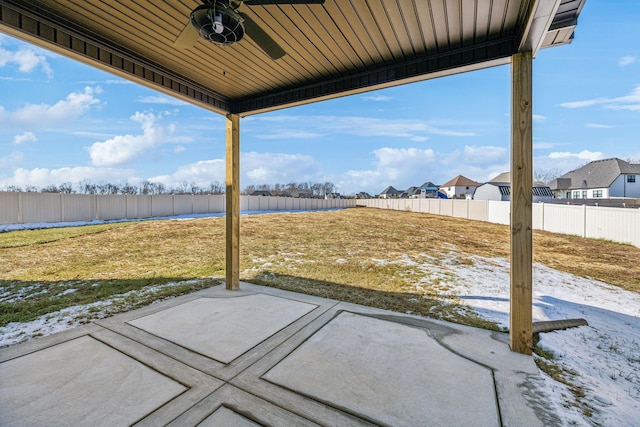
(503, 177)
(429, 186)
(260, 193)
(538, 189)
(333, 49)
(412, 191)
(596, 174)
(390, 190)
(460, 181)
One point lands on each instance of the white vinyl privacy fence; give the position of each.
(616, 224)
(22, 208)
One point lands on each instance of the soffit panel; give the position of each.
(341, 47)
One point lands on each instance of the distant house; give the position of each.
(333, 196)
(499, 188)
(390, 193)
(363, 195)
(459, 187)
(428, 190)
(600, 179)
(304, 194)
(411, 193)
(260, 193)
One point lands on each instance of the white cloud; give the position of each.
(26, 59)
(405, 167)
(202, 173)
(43, 177)
(400, 167)
(558, 163)
(581, 104)
(598, 126)
(43, 115)
(160, 100)
(259, 168)
(289, 134)
(630, 102)
(24, 137)
(107, 82)
(9, 162)
(377, 98)
(123, 149)
(13, 79)
(541, 145)
(256, 168)
(312, 126)
(484, 155)
(539, 118)
(626, 60)
(583, 155)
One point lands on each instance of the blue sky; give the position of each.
(61, 121)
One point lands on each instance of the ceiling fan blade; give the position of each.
(261, 38)
(264, 2)
(187, 37)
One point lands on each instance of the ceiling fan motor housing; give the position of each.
(218, 23)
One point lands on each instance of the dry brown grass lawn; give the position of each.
(350, 255)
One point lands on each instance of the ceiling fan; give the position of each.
(220, 22)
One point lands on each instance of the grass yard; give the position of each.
(366, 256)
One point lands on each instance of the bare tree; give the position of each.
(50, 189)
(546, 176)
(128, 189)
(183, 187)
(158, 188)
(329, 187)
(66, 188)
(216, 188)
(195, 189)
(87, 187)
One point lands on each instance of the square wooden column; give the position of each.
(233, 202)
(521, 317)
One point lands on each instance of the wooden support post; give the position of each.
(233, 203)
(520, 319)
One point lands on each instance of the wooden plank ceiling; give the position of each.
(332, 49)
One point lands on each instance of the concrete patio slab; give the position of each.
(48, 387)
(388, 371)
(224, 416)
(263, 356)
(230, 406)
(223, 329)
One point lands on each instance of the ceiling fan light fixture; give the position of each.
(218, 23)
(218, 27)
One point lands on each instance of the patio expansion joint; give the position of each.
(225, 371)
(256, 379)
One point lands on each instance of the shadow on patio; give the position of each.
(265, 356)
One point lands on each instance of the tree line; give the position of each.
(146, 187)
(295, 189)
(309, 189)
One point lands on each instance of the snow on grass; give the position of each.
(30, 291)
(184, 217)
(71, 317)
(600, 362)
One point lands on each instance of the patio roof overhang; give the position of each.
(334, 49)
(338, 48)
